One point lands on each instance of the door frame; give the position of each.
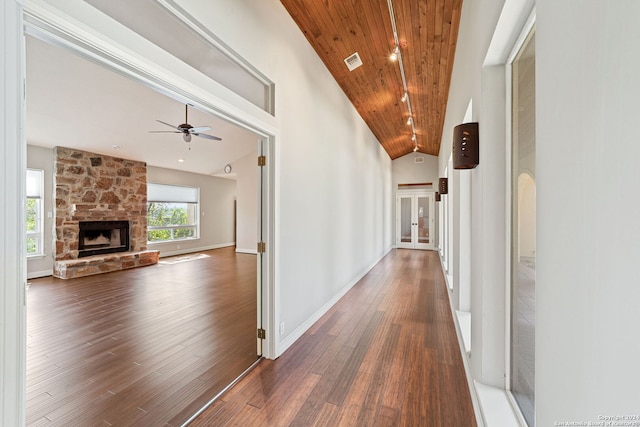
(18, 19)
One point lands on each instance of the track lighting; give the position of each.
(394, 54)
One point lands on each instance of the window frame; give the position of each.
(527, 29)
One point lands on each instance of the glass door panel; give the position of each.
(423, 219)
(406, 224)
(414, 217)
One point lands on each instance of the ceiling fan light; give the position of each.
(186, 137)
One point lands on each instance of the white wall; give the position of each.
(246, 169)
(216, 210)
(333, 177)
(42, 158)
(588, 298)
(487, 204)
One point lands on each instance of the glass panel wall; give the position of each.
(523, 229)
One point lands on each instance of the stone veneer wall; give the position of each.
(95, 187)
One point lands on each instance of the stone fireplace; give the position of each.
(100, 214)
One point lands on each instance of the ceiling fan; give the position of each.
(186, 129)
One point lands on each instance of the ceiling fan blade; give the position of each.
(204, 135)
(164, 131)
(199, 129)
(165, 123)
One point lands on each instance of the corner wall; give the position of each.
(333, 179)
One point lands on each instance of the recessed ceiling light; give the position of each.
(116, 147)
(180, 160)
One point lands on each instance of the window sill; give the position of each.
(178, 241)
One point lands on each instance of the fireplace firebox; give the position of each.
(102, 237)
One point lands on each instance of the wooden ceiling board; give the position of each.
(427, 32)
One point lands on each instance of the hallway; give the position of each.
(385, 355)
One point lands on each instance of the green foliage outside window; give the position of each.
(170, 215)
(32, 225)
(32, 215)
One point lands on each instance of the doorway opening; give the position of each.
(262, 186)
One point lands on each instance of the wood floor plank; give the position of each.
(385, 355)
(146, 346)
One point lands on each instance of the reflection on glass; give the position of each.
(523, 230)
(405, 220)
(423, 220)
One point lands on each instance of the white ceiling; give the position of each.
(72, 102)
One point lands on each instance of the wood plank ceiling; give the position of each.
(427, 32)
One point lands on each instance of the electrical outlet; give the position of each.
(281, 328)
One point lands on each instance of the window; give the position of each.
(33, 210)
(172, 213)
(523, 228)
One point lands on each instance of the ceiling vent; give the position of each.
(353, 61)
(419, 159)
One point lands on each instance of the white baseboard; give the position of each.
(192, 250)
(300, 330)
(36, 274)
(246, 251)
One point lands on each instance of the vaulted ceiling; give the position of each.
(426, 33)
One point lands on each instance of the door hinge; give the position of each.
(262, 334)
(262, 247)
(262, 160)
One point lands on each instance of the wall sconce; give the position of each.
(443, 186)
(466, 149)
(438, 198)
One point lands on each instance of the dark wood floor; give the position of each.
(146, 347)
(385, 355)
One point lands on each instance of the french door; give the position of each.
(415, 220)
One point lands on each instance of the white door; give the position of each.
(414, 220)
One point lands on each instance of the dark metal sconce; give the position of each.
(466, 149)
(443, 186)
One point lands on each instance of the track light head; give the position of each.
(394, 54)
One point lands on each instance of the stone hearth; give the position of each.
(96, 187)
